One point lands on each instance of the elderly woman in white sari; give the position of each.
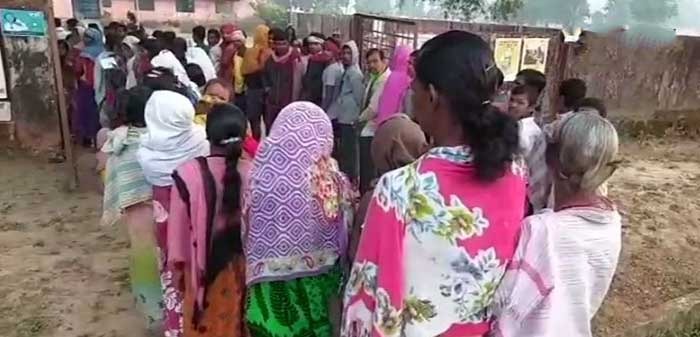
(566, 258)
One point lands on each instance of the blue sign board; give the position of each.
(17, 22)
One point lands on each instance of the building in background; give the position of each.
(156, 10)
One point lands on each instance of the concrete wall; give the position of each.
(32, 87)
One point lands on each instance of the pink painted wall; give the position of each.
(165, 10)
(62, 9)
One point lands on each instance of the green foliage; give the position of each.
(569, 13)
(374, 6)
(653, 11)
(273, 14)
(499, 10)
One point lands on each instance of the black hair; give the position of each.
(113, 40)
(573, 90)
(529, 91)
(461, 68)
(291, 33)
(195, 73)
(152, 46)
(179, 48)
(594, 103)
(226, 128)
(533, 78)
(279, 34)
(500, 78)
(373, 51)
(72, 22)
(199, 33)
(135, 105)
(94, 25)
(226, 84)
(161, 78)
(214, 31)
(168, 38)
(158, 34)
(57, 22)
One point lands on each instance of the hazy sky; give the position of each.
(596, 4)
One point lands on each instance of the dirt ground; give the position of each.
(62, 275)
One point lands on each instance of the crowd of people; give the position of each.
(280, 188)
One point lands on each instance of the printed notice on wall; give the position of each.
(17, 22)
(5, 111)
(535, 54)
(507, 53)
(3, 80)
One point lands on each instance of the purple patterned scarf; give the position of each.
(296, 214)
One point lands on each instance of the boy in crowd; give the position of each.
(537, 80)
(213, 39)
(521, 106)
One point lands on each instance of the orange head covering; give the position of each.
(254, 58)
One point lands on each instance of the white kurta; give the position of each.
(561, 273)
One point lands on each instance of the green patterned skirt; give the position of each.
(296, 308)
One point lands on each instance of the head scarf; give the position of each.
(396, 85)
(256, 56)
(172, 137)
(94, 44)
(296, 213)
(398, 142)
(166, 59)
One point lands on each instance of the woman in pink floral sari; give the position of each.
(440, 231)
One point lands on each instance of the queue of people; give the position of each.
(276, 189)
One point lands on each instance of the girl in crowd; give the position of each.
(204, 229)
(254, 61)
(397, 85)
(571, 253)
(171, 139)
(128, 197)
(440, 232)
(397, 143)
(296, 225)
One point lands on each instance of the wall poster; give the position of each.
(507, 54)
(535, 54)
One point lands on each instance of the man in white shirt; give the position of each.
(378, 74)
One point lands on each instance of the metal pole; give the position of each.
(71, 167)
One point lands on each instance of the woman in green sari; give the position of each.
(299, 207)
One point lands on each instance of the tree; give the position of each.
(412, 8)
(470, 9)
(374, 6)
(618, 12)
(653, 11)
(569, 13)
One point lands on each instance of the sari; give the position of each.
(296, 227)
(397, 84)
(127, 197)
(171, 139)
(435, 244)
(196, 220)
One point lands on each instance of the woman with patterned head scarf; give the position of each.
(296, 221)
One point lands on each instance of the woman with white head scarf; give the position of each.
(566, 258)
(172, 138)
